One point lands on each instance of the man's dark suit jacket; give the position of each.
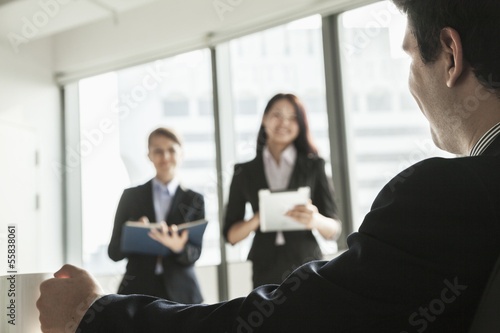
(179, 279)
(419, 263)
(271, 263)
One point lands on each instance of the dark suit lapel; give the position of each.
(298, 172)
(146, 200)
(258, 174)
(175, 204)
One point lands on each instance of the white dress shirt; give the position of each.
(162, 198)
(278, 175)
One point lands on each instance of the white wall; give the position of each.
(30, 102)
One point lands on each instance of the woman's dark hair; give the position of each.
(165, 132)
(477, 22)
(303, 142)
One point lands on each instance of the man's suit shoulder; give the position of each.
(460, 172)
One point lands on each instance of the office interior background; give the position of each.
(83, 82)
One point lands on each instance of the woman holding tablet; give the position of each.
(161, 199)
(286, 159)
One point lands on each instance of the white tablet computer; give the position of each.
(274, 205)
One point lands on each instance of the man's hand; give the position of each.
(65, 299)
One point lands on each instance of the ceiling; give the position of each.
(34, 19)
(89, 37)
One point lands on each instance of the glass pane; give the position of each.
(287, 59)
(386, 130)
(104, 175)
(174, 93)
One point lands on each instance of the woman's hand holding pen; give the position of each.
(170, 237)
(309, 216)
(305, 214)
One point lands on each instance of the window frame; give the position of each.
(222, 117)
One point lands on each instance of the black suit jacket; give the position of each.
(179, 280)
(419, 263)
(271, 263)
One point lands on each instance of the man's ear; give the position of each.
(452, 47)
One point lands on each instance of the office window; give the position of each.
(292, 63)
(354, 103)
(247, 106)
(406, 102)
(176, 107)
(103, 173)
(205, 106)
(315, 104)
(386, 131)
(379, 101)
(118, 111)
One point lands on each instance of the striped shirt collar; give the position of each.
(485, 141)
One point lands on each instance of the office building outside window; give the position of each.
(386, 131)
(284, 59)
(174, 93)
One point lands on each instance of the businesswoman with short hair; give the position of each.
(161, 199)
(286, 159)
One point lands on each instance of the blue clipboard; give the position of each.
(135, 238)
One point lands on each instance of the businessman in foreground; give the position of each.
(424, 252)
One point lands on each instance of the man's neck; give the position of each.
(480, 111)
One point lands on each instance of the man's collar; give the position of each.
(485, 141)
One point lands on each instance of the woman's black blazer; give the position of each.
(249, 178)
(179, 278)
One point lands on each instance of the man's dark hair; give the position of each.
(477, 22)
